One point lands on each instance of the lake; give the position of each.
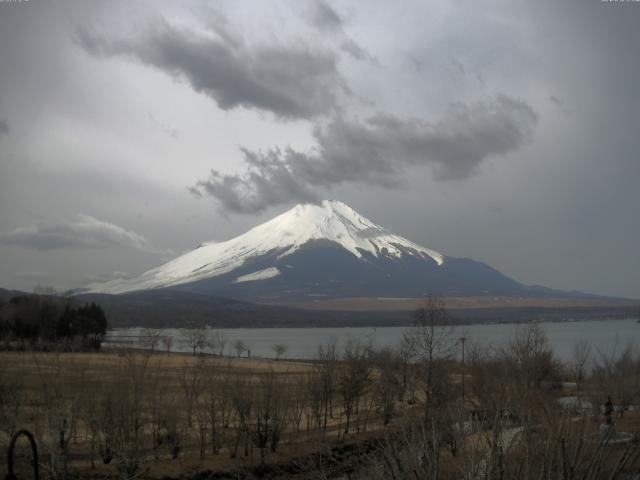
(606, 336)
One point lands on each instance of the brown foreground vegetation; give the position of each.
(412, 413)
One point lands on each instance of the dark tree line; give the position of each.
(42, 319)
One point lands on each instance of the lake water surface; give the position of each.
(606, 336)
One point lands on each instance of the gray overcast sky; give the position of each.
(504, 131)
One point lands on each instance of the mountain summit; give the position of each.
(318, 250)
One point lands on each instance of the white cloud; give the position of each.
(85, 231)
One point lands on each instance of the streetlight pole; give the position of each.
(462, 340)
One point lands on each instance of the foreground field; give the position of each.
(177, 414)
(358, 414)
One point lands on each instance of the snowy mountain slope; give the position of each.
(331, 222)
(315, 252)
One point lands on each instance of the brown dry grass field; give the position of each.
(138, 414)
(72, 389)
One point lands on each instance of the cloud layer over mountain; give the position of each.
(376, 151)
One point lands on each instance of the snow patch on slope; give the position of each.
(259, 275)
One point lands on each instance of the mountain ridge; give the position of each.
(322, 251)
(331, 220)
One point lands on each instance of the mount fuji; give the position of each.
(320, 251)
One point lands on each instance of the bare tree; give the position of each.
(490, 378)
(12, 400)
(581, 354)
(156, 405)
(240, 347)
(216, 403)
(167, 342)
(218, 342)
(300, 401)
(151, 339)
(386, 386)
(326, 378)
(353, 379)
(270, 412)
(242, 401)
(171, 428)
(56, 412)
(432, 342)
(279, 349)
(201, 415)
(196, 339)
(406, 357)
(191, 381)
(530, 354)
(619, 376)
(315, 392)
(120, 414)
(561, 449)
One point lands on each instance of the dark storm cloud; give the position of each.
(4, 127)
(376, 152)
(269, 180)
(292, 82)
(85, 231)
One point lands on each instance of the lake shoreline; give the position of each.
(303, 342)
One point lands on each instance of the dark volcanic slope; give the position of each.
(322, 269)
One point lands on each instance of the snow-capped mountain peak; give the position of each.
(329, 220)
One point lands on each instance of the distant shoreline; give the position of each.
(346, 319)
(462, 303)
